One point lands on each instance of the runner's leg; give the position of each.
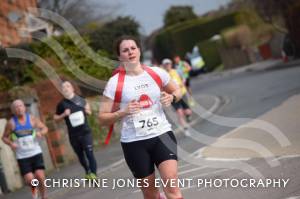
(88, 148)
(28, 177)
(150, 191)
(75, 142)
(40, 175)
(168, 170)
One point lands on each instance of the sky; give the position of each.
(150, 13)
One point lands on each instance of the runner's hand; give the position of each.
(67, 112)
(166, 99)
(133, 107)
(39, 134)
(13, 146)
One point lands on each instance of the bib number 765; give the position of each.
(149, 122)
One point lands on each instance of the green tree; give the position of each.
(103, 37)
(178, 14)
(80, 60)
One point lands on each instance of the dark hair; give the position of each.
(119, 40)
(176, 55)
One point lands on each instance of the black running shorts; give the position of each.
(142, 155)
(31, 164)
(181, 104)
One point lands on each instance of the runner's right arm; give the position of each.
(106, 117)
(6, 135)
(60, 117)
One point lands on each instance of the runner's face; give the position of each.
(168, 66)
(19, 108)
(176, 59)
(68, 90)
(129, 52)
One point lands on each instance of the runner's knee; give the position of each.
(28, 178)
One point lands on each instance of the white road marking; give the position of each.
(227, 159)
(205, 174)
(191, 170)
(286, 157)
(184, 165)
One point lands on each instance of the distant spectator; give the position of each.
(183, 69)
(182, 108)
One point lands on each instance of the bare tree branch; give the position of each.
(80, 12)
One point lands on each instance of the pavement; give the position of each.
(286, 118)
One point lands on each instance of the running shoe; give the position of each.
(161, 196)
(93, 176)
(186, 132)
(191, 101)
(34, 193)
(188, 118)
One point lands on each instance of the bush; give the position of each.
(99, 132)
(15, 70)
(80, 60)
(210, 54)
(5, 83)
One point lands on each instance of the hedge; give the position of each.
(210, 54)
(181, 38)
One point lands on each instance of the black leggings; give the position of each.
(83, 147)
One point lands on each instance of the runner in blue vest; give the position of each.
(21, 134)
(146, 136)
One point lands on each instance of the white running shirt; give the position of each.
(151, 121)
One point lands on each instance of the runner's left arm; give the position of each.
(87, 108)
(170, 91)
(188, 68)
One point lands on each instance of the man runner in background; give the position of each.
(21, 133)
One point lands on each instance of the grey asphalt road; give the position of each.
(245, 95)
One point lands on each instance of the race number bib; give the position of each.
(76, 119)
(147, 122)
(26, 142)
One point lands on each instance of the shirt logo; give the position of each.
(142, 86)
(145, 101)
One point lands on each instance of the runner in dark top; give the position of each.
(74, 109)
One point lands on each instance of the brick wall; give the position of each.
(9, 34)
(48, 95)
